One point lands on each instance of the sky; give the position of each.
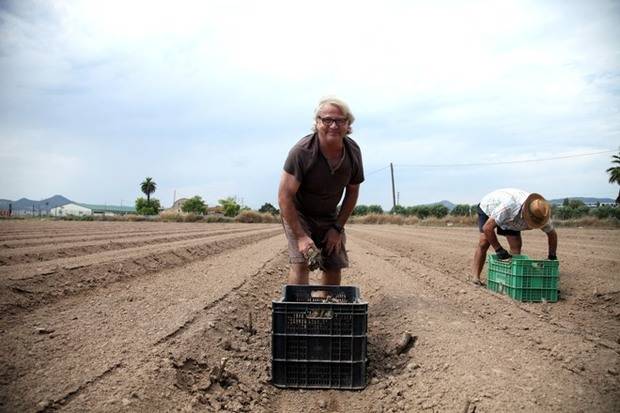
(208, 97)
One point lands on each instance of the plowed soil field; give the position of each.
(120, 316)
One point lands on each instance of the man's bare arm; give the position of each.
(333, 238)
(552, 238)
(348, 203)
(286, 194)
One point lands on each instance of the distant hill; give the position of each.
(585, 199)
(27, 205)
(447, 204)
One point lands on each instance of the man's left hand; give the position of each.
(552, 257)
(333, 241)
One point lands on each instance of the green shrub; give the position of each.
(150, 207)
(375, 209)
(420, 211)
(606, 211)
(267, 208)
(461, 210)
(398, 210)
(438, 210)
(194, 205)
(360, 210)
(230, 206)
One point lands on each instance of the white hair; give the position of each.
(340, 104)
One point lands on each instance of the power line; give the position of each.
(378, 170)
(580, 155)
(500, 162)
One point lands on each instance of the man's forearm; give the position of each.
(348, 204)
(552, 238)
(289, 214)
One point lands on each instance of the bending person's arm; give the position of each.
(552, 239)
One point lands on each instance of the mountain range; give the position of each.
(25, 204)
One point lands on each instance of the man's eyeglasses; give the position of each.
(331, 121)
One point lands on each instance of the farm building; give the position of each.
(89, 209)
(176, 207)
(178, 204)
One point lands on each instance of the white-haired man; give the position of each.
(511, 211)
(318, 169)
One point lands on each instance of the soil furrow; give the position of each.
(573, 311)
(45, 240)
(17, 295)
(149, 328)
(123, 325)
(33, 270)
(76, 249)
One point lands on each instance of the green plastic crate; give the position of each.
(495, 286)
(532, 294)
(524, 279)
(523, 265)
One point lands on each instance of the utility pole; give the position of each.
(393, 190)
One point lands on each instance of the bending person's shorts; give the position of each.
(483, 218)
(316, 229)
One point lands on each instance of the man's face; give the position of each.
(331, 123)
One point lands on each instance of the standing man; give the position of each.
(511, 211)
(317, 170)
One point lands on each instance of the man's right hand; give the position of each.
(502, 254)
(304, 244)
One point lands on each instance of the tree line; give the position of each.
(194, 205)
(570, 208)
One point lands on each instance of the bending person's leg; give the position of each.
(480, 256)
(515, 243)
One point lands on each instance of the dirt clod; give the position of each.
(43, 330)
(405, 343)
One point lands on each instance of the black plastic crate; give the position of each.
(319, 337)
(298, 312)
(319, 375)
(319, 348)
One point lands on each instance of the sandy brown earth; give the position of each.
(119, 316)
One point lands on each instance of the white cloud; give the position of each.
(208, 96)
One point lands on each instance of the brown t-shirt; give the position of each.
(321, 188)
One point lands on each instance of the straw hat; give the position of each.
(536, 211)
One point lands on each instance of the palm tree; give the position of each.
(614, 173)
(148, 186)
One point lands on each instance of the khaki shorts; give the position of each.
(316, 229)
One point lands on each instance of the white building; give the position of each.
(88, 209)
(70, 209)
